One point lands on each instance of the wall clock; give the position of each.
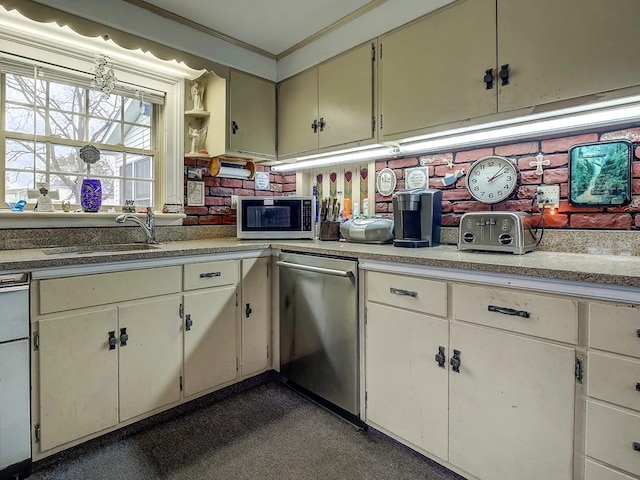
(492, 179)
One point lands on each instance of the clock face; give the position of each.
(492, 179)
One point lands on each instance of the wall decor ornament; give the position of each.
(417, 177)
(104, 79)
(539, 162)
(386, 182)
(197, 137)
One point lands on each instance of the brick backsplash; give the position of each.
(456, 200)
(217, 209)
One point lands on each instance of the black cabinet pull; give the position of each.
(455, 361)
(322, 124)
(488, 78)
(636, 446)
(504, 74)
(123, 337)
(247, 311)
(400, 291)
(314, 126)
(112, 340)
(440, 357)
(210, 274)
(509, 311)
(637, 386)
(234, 127)
(188, 322)
(638, 333)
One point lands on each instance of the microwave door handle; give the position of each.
(308, 268)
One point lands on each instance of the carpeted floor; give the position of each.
(265, 432)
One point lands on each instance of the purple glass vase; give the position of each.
(91, 195)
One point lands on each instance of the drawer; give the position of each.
(615, 328)
(614, 379)
(413, 293)
(538, 315)
(595, 471)
(69, 293)
(611, 434)
(210, 274)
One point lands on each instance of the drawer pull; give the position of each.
(112, 340)
(638, 333)
(509, 311)
(440, 357)
(210, 274)
(637, 386)
(455, 361)
(188, 323)
(636, 446)
(400, 291)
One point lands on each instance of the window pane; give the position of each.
(19, 88)
(136, 136)
(68, 187)
(104, 131)
(64, 158)
(109, 164)
(19, 154)
(110, 189)
(141, 192)
(142, 166)
(67, 125)
(16, 185)
(67, 97)
(105, 108)
(18, 119)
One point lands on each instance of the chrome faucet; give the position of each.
(149, 226)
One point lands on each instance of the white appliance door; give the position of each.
(15, 443)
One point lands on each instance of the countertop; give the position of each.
(620, 270)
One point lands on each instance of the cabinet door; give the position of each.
(210, 348)
(560, 50)
(78, 376)
(252, 114)
(151, 359)
(345, 98)
(297, 111)
(407, 392)
(255, 311)
(511, 406)
(431, 72)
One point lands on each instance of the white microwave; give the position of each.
(276, 217)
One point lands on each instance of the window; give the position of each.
(49, 117)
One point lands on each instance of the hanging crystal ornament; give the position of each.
(104, 79)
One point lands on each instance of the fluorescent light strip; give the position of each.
(335, 159)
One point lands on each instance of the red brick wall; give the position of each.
(218, 191)
(457, 200)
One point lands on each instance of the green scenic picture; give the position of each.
(600, 174)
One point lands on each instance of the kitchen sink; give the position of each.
(108, 248)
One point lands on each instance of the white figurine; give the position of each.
(197, 136)
(196, 95)
(44, 200)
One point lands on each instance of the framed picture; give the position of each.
(194, 173)
(261, 180)
(195, 194)
(600, 173)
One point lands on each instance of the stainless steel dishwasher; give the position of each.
(15, 440)
(319, 328)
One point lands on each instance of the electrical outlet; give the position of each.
(234, 202)
(548, 196)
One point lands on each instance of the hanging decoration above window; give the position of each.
(104, 79)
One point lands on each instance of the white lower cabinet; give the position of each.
(480, 378)
(255, 312)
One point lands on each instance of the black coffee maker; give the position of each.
(416, 216)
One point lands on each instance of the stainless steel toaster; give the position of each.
(511, 232)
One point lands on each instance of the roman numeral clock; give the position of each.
(492, 179)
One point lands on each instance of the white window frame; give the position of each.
(50, 43)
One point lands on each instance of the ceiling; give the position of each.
(273, 28)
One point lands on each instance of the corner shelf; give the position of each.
(197, 113)
(197, 155)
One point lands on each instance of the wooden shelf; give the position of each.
(197, 155)
(197, 113)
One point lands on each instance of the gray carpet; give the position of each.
(265, 432)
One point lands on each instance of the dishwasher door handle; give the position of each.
(308, 268)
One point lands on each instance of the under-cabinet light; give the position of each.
(598, 115)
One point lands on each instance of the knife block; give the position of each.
(329, 230)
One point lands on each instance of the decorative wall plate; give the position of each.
(386, 182)
(416, 178)
(600, 173)
(89, 154)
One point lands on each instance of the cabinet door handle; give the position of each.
(488, 78)
(638, 333)
(455, 361)
(504, 74)
(234, 127)
(123, 337)
(400, 291)
(247, 311)
(440, 357)
(509, 311)
(636, 446)
(322, 124)
(210, 274)
(637, 386)
(112, 340)
(188, 322)
(314, 126)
